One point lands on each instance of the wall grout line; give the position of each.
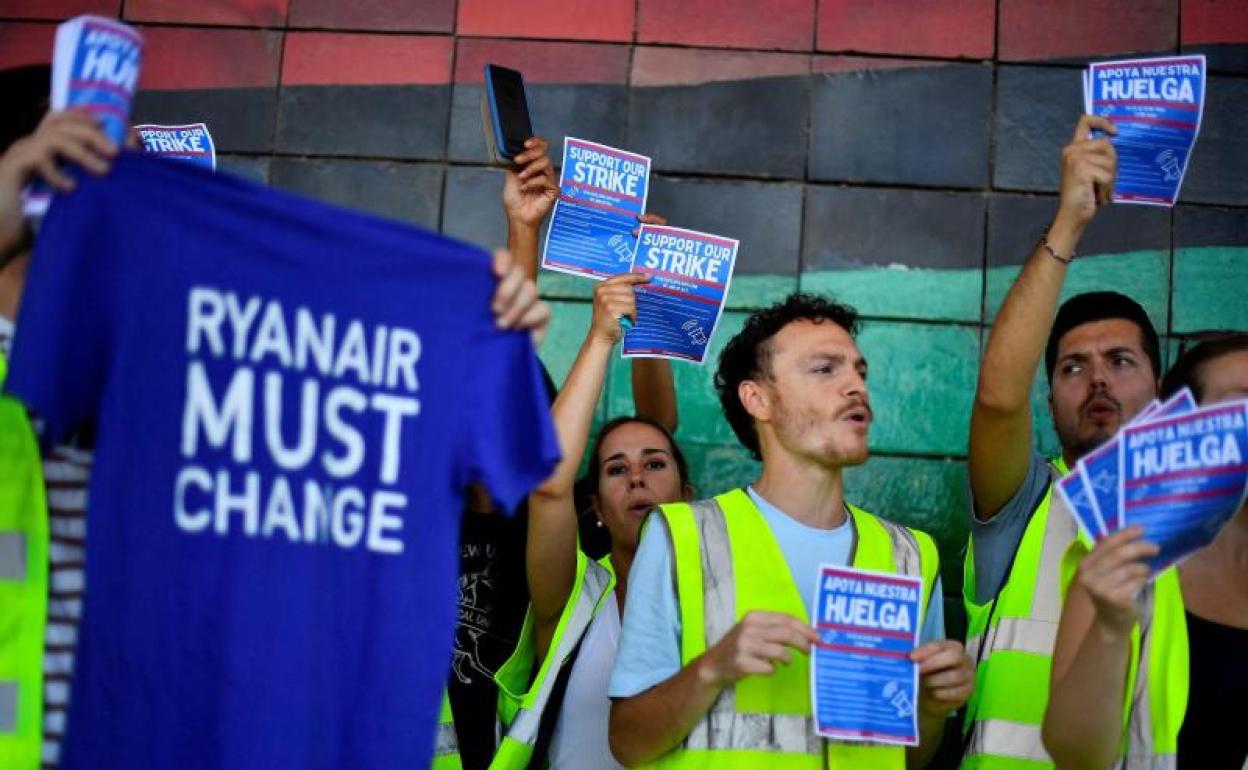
(450, 115)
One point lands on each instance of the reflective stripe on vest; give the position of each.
(765, 721)
(1014, 647)
(23, 587)
(445, 741)
(521, 711)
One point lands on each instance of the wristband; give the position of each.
(1044, 244)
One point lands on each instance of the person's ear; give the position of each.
(756, 399)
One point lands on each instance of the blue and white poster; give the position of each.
(95, 67)
(190, 143)
(680, 306)
(1099, 470)
(1074, 491)
(1156, 105)
(602, 192)
(1182, 402)
(1183, 477)
(864, 687)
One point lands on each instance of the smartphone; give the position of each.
(506, 113)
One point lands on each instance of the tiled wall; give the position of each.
(899, 155)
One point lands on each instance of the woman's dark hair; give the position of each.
(594, 539)
(748, 355)
(595, 455)
(1184, 373)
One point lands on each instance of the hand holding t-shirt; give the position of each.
(290, 400)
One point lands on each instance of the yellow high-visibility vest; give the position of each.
(1011, 636)
(23, 587)
(728, 563)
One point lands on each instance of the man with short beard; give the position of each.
(1102, 360)
(712, 669)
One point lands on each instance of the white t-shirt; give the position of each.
(580, 738)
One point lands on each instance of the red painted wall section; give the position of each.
(242, 13)
(767, 24)
(687, 66)
(608, 20)
(57, 9)
(948, 28)
(380, 15)
(23, 43)
(588, 63)
(1214, 21)
(834, 64)
(181, 58)
(335, 58)
(1057, 29)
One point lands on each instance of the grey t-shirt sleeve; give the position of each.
(996, 540)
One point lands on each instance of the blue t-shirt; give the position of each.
(649, 651)
(290, 399)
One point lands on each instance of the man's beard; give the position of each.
(1078, 446)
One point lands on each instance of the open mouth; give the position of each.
(1100, 409)
(859, 414)
(640, 509)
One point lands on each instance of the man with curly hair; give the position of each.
(713, 666)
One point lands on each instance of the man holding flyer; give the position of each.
(713, 668)
(1103, 362)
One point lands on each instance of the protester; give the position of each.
(1102, 362)
(737, 693)
(43, 554)
(492, 590)
(54, 597)
(1166, 655)
(558, 677)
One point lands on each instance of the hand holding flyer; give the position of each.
(191, 143)
(1156, 105)
(95, 67)
(602, 192)
(864, 686)
(679, 308)
(1184, 477)
(1177, 470)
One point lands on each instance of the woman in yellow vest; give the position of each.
(1151, 675)
(571, 632)
(713, 667)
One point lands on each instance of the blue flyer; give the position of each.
(1078, 499)
(95, 67)
(1077, 495)
(602, 192)
(1156, 105)
(679, 308)
(191, 143)
(1101, 468)
(864, 687)
(1183, 477)
(1182, 402)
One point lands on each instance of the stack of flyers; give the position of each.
(680, 306)
(864, 687)
(1177, 471)
(602, 192)
(1156, 105)
(95, 66)
(191, 143)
